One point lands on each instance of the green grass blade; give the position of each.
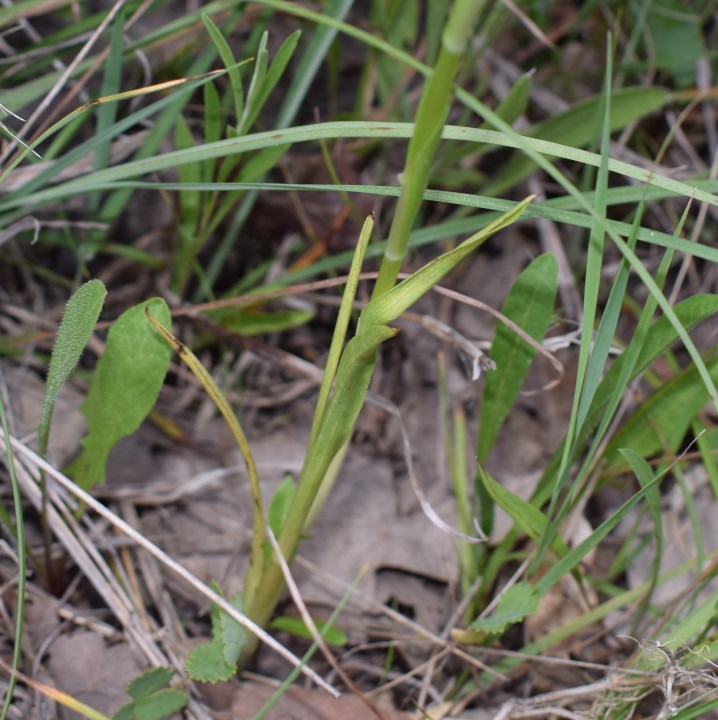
(340, 331)
(645, 476)
(387, 307)
(360, 129)
(259, 74)
(227, 56)
(577, 127)
(273, 75)
(107, 112)
(658, 339)
(312, 59)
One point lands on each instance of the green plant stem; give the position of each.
(430, 118)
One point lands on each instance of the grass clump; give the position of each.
(213, 129)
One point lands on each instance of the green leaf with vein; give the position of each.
(124, 388)
(78, 322)
(530, 305)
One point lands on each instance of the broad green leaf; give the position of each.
(124, 388)
(352, 382)
(526, 516)
(247, 322)
(280, 504)
(151, 698)
(271, 78)
(341, 326)
(296, 626)
(578, 126)
(388, 306)
(276, 70)
(676, 39)
(213, 119)
(661, 422)
(149, 682)
(530, 305)
(78, 322)
(213, 115)
(159, 705)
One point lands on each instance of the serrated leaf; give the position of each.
(149, 682)
(216, 660)
(297, 626)
(530, 305)
(206, 663)
(152, 699)
(157, 706)
(124, 388)
(517, 603)
(78, 322)
(233, 635)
